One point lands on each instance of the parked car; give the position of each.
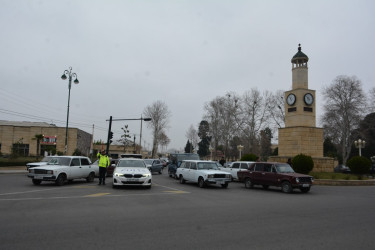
(154, 165)
(44, 161)
(175, 162)
(236, 166)
(342, 169)
(203, 173)
(131, 172)
(275, 174)
(64, 168)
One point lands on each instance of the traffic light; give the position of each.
(110, 137)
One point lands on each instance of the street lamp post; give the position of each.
(359, 144)
(211, 150)
(66, 74)
(240, 147)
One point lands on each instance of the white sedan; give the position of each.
(131, 172)
(203, 173)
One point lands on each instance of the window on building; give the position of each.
(20, 149)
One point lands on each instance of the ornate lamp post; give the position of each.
(240, 147)
(359, 144)
(66, 74)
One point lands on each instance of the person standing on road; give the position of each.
(103, 164)
(222, 161)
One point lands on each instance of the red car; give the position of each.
(275, 174)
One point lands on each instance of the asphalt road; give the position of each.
(171, 215)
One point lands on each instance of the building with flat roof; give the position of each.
(20, 138)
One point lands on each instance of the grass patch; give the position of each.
(337, 176)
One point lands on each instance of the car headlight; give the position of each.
(297, 180)
(146, 175)
(31, 171)
(49, 171)
(119, 175)
(312, 179)
(210, 176)
(228, 176)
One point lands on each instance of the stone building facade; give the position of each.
(19, 137)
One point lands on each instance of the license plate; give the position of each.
(38, 177)
(220, 182)
(132, 180)
(305, 185)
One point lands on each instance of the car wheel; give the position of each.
(182, 181)
(91, 177)
(305, 189)
(266, 186)
(248, 183)
(60, 180)
(286, 187)
(224, 185)
(36, 182)
(201, 182)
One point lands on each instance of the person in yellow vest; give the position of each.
(103, 164)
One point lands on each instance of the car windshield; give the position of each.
(207, 165)
(46, 159)
(284, 168)
(59, 161)
(148, 161)
(130, 164)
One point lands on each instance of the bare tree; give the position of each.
(371, 100)
(163, 141)
(344, 108)
(254, 116)
(159, 113)
(192, 136)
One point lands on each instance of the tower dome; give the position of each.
(300, 57)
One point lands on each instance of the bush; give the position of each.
(302, 163)
(249, 157)
(359, 165)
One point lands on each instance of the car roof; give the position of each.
(130, 158)
(198, 161)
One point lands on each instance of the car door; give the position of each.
(76, 171)
(86, 166)
(193, 173)
(234, 169)
(268, 176)
(183, 169)
(257, 173)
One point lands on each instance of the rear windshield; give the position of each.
(284, 168)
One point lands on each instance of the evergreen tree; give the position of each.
(189, 147)
(204, 144)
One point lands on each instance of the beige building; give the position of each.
(300, 135)
(19, 137)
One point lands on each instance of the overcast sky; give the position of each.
(129, 54)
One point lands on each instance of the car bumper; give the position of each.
(42, 177)
(302, 185)
(218, 181)
(122, 181)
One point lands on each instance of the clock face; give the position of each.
(308, 98)
(291, 99)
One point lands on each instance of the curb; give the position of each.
(327, 182)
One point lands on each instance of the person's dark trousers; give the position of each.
(102, 172)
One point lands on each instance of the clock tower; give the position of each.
(300, 136)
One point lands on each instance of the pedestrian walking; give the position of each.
(103, 164)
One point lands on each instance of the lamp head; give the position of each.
(63, 77)
(147, 119)
(76, 81)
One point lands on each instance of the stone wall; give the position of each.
(321, 164)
